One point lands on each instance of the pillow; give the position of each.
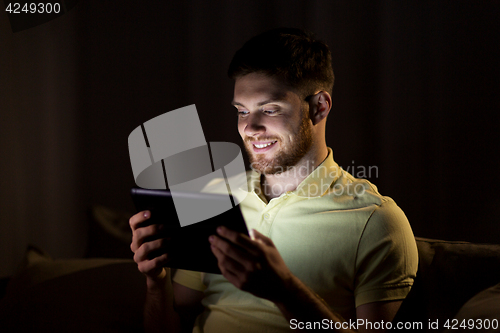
(109, 233)
(480, 314)
(449, 274)
(75, 295)
(114, 222)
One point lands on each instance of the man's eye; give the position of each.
(242, 113)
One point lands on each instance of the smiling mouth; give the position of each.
(264, 145)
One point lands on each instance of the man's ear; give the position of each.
(320, 105)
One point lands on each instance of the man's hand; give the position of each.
(252, 265)
(149, 253)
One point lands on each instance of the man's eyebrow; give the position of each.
(274, 99)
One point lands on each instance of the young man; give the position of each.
(327, 250)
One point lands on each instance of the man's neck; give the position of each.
(275, 185)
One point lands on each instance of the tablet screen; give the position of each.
(189, 246)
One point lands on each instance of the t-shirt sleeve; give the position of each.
(387, 257)
(190, 279)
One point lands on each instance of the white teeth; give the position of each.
(264, 145)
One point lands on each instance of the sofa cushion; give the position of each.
(480, 314)
(77, 295)
(449, 274)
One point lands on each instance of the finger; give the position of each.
(227, 265)
(238, 238)
(231, 249)
(150, 250)
(153, 267)
(136, 220)
(141, 235)
(261, 238)
(160, 261)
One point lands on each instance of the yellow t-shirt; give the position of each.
(336, 233)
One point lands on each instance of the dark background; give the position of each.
(416, 96)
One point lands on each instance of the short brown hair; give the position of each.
(291, 55)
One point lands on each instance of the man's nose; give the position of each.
(254, 125)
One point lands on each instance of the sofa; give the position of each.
(456, 282)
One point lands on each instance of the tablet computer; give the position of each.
(189, 247)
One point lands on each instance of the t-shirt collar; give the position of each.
(314, 185)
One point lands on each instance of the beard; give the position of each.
(287, 156)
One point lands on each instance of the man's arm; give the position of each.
(150, 256)
(303, 305)
(159, 314)
(187, 304)
(246, 263)
(377, 312)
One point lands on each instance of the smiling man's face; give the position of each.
(273, 122)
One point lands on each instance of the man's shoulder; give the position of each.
(383, 214)
(350, 192)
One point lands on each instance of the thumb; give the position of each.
(257, 236)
